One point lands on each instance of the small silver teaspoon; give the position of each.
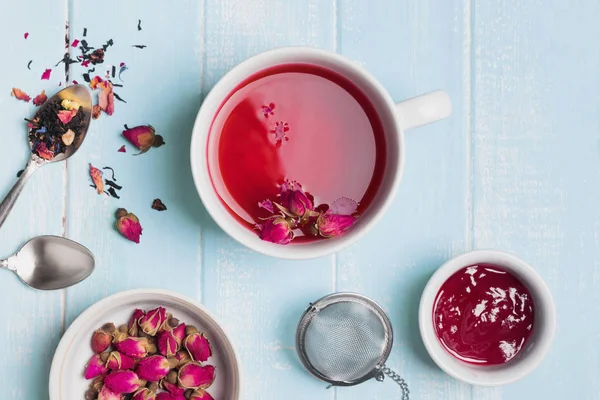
(51, 262)
(77, 93)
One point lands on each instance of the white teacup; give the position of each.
(395, 117)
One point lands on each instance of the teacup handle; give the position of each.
(424, 109)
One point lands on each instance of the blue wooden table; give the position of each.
(516, 168)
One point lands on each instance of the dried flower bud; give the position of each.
(133, 322)
(190, 329)
(332, 225)
(132, 346)
(153, 368)
(129, 226)
(183, 357)
(276, 230)
(143, 137)
(198, 346)
(123, 381)
(123, 328)
(153, 320)
(117, 360)
(109, 327)
(171, 323)
(119, 336)
(104, 356)
(165, 396)
(144, 394)
(173, 362)
(95, 367)
(107, 394)
(172, 377)
(200, 394)
(195, 376)
(179, 333)
(91, 394)
(167, 343)
(152, 348)
(173, 389)
(153, 386)
(294, 201)
(102, 338)
(68, 137)
(97, 383)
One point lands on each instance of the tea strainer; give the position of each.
(345, 339)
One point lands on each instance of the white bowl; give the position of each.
(74, 351)
(535, 348)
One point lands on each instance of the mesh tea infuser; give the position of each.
(345, 339)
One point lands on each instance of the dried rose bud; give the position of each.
(133, 347)
(190, 329)
(183, 357)
(119, 336)
(172, 377)
(152, 348)
(332, 225)
(91, 394)
(123, 381)
(171, 323)
(104, 356)
(117, 360)
(167, 343)
(152, 368)
(153, 320)
(97, 383)
(133, 322)
(107, 394)
(194, 376)
(165, 396)
(179, 333)
(198, 346)
(68, 137)
(95, 367)
(100, 341)
(106, 99)
(200, 394)
(129, 226)
(172, 388)
(294, 200)
(144, 394)
(123, 328)
(96, 176)
(276, 230)
(143, 137)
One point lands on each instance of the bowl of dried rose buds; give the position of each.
(145, 344)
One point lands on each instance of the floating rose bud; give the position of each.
(20, 95)
(135, 347)
(152, 368)
(198, 346)
(133, 322)
(200, 394)
(107, 394)
(195, 376)
(128, 225)
(183, 357)
(66, 116)
(96, 175)
(117, 360)
(172, 388)
(276, 230)
(143, 137)
(332, 225)
(102, 338)
(106, 99)
(153, 320)
(95, 367)
(144, 394)
(40, 98)
(167, 343)
(123, 381)
(294, 199)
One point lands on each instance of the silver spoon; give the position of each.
(51, 262)
(81, 95)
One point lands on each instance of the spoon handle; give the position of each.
(10, 199)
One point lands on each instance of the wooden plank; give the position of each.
(535, 169)
(261, 299)
(413, 48)
(32, 319)
(162, 88)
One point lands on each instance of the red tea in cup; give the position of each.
(296, 151)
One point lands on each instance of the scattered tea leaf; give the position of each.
(113, 173)
(20, 173)
(139, 24)
(86, 77)
(139, 46)
(112, 192)
(29, 65)
(119, 98)
(158, 205)
(114, 71)
(113, 184)
(84, 32)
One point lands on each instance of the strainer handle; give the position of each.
(396, 378)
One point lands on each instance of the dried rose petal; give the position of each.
(46, 74)
(153, 368)
(167, 343)
(276, 230)
(267, 205)
(195, 376)
(198, 346)
(66, 116)
(20, 95)
(95, 367)
(179, 333)
(107, 394)
(85, 63)
(95, 82)
(106, 99)
(343, 206)
(26, 35)
(158, 205)
(128, 225)
(135, 347)
(153, 320)
(40, 98)
(143, 137)
(200, 394)
(123, 381)
(132, 326)
(96, 175)
(117, 360)
(122, 149)
(44, 152)
(75, 43)
(144, 394)
(96, 111)
(332, 225)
